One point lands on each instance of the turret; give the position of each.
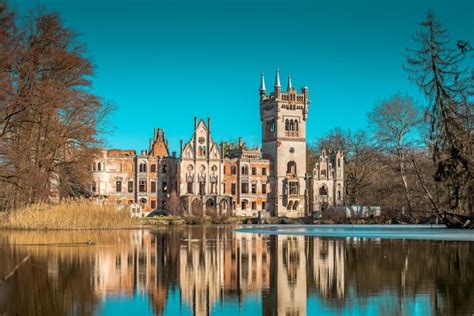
(262, 89)
(277, 85)
(290, 85)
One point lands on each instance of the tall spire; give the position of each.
(290, 86)
(277, 79)
(262, 83)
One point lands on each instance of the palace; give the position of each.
(208, 178)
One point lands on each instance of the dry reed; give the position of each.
(69, 214)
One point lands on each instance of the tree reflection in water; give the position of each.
(212, 267)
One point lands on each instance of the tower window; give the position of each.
(293, 188)
(291, 168)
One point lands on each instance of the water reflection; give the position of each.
(205, 271)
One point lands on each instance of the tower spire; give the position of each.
(262, 83)
(290, 86)
(277, 79)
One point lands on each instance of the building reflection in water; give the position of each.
(209, 268)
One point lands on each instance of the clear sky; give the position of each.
(164, 62)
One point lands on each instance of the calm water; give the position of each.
(221, 271)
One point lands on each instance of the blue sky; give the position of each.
(164, 62)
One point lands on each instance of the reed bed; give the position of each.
(69, 214)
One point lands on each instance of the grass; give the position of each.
(68, 214)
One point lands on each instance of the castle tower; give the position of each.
(283, 116)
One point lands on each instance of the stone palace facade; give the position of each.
(209, 178)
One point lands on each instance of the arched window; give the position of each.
(295, 205)
(99, 166)
(291, 125)
(291, 168)
(296, 125)
(287, 125)
(245, 170)
(94, 186)
(290, 205)
(323, 190)
(142, 167)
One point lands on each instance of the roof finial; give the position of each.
(262, 83)
(277, 79)
(290, 86)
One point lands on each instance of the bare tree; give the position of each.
(437, 69)
(50, 120)
(393, 122)
(175, 205)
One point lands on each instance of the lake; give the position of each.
(271, 270)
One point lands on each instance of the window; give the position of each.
(202, 188)
(93, 186)
(93, 167)
(293, 188)
(264, 188)
(118, 186)
(244, 204)
(264, 171)
(245, 170)
(164, 168)
(323, 191)
(153, 167)
(245, 188)
(142, 186)
(254, 205)
(338, 162)
(153, 204)
(254, 188)
(264, 205)
(142, 167)
(291, 168)
(233, 189)
(254, 171)
(130, 186)
(99, 166)
(153, 186)
(213, 187)
(190, 188)
(233, 170)
(223, 188)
